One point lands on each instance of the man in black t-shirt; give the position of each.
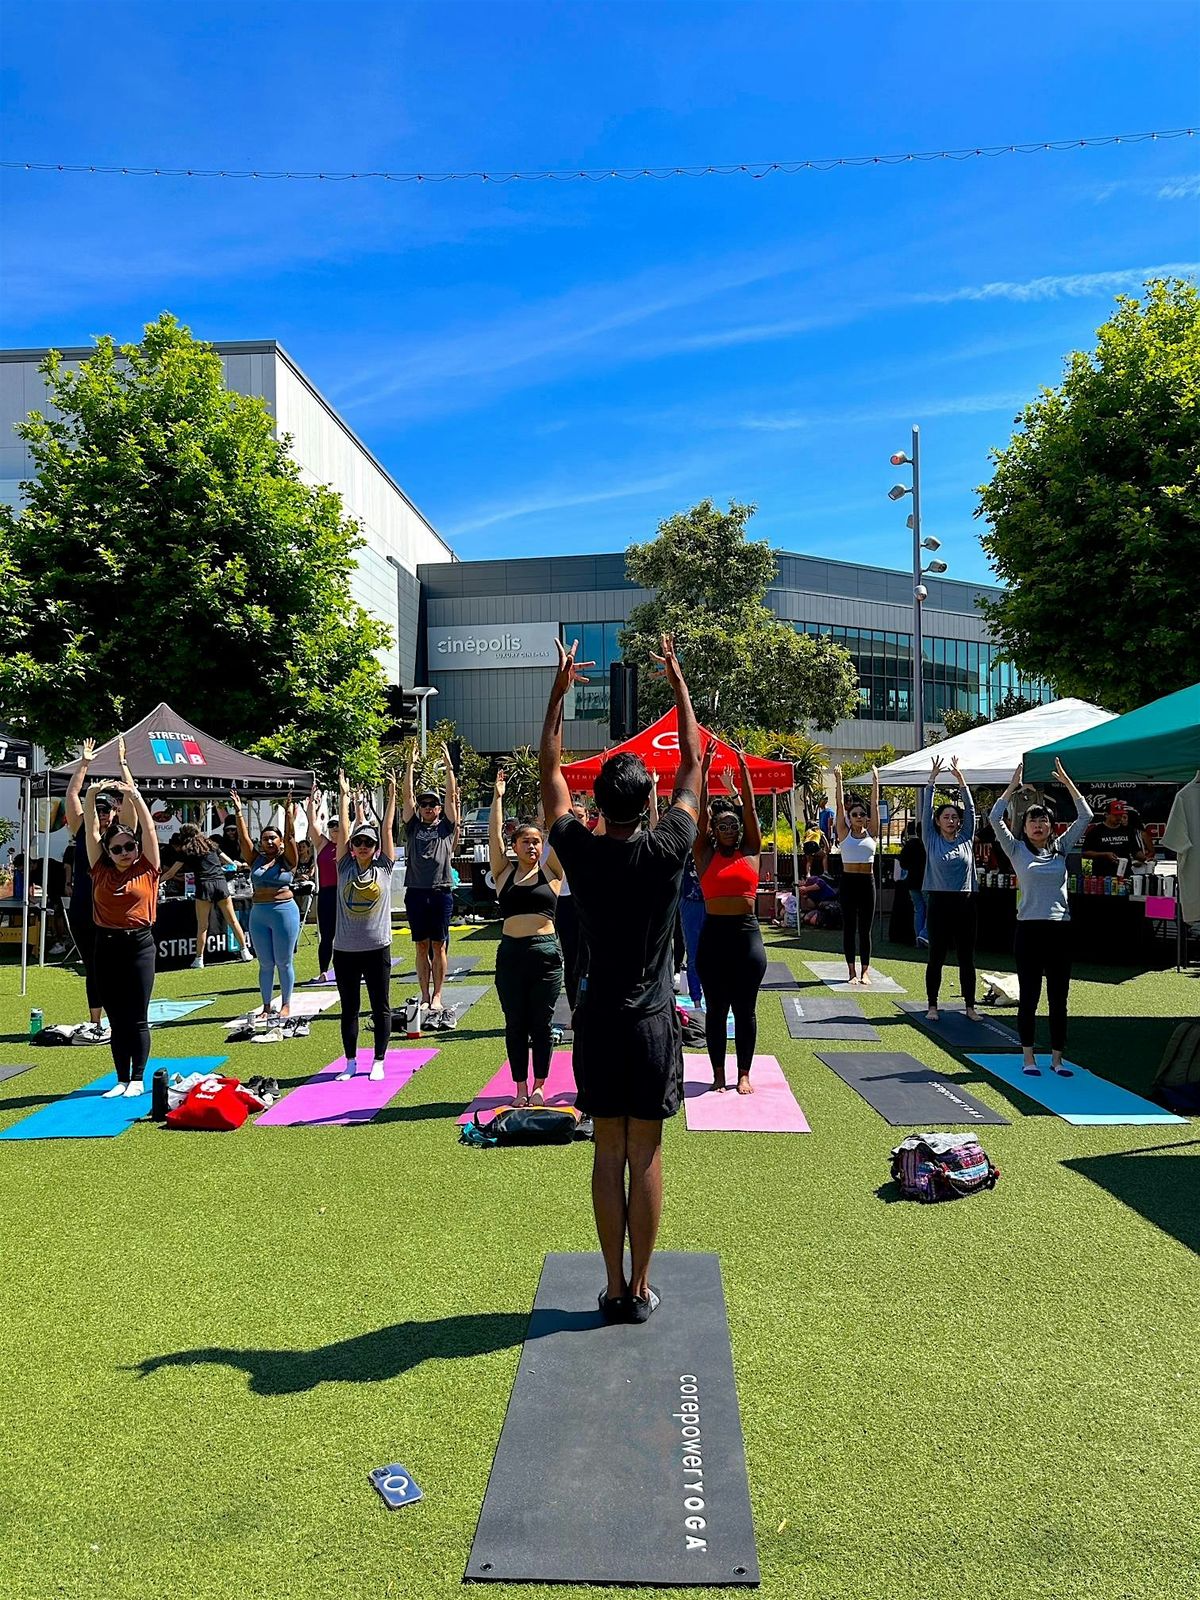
(1115, 836)
(627, 1053)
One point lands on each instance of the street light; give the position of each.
(424, 694)
(905, 458)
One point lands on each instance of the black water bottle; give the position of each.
(158, 1096)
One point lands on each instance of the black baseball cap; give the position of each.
(428, 798)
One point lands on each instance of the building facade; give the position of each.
(489, 630)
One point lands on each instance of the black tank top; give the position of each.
(527, 899)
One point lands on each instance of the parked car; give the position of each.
(475, 826)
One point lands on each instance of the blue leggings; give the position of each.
(692, 914)
(274, 930)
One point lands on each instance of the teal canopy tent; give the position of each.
(1158, 743)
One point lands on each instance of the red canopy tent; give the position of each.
(658, 747)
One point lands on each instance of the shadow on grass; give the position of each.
(1164, 1189)
(367, 1358)
(431, 1111)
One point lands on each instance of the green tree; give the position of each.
(474, 775)
(742, 663)
(859, 767)
(521, 774)
(1094, 512)
(168, 550)
(956, 722)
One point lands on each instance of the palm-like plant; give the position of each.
(521, 773)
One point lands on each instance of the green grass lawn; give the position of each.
(999, 1397)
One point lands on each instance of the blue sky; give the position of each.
(559, 366)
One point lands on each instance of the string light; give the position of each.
(750, 169)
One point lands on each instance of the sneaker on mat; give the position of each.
(378, 1071)
(135, 1087)
(345, 1075)
(115, 1092)
(642, 1309)
(197, 965)
(613, 1308)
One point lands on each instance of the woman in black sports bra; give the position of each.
(529, 966)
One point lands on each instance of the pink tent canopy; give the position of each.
(658, 747)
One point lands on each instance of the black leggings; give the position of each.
(951, 919)
(529, 980)
(574, 946)
(731, 964)
(326, 925)
(125, 980)
(857, 894)
(350, 968)
(1043, 950)
(83, 931)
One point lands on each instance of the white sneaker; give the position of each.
(344, 1077)
(135, 1087)
(377, 1071)
(197, 965)
(115, 1092)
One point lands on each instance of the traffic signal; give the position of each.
(404, 711)
(622, 700)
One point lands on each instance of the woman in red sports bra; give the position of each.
(730, 959)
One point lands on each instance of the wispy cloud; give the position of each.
(963, 405)
(1181, 189)
(560, 499)
(1065, 286)
(1184, 187)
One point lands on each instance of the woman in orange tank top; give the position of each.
(730, 959)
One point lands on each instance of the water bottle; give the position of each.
(36, 1022)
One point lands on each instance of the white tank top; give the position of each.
(859, 850)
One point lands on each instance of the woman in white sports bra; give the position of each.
(858, 839)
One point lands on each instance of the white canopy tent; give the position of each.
(989, 755)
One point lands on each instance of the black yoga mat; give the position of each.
(621, 1457)
(954, 1028)
(455, 968)
(462, 997)
(905, 1093)
(817, 1017)
(780, 976)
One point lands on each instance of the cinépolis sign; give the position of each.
(485, 646)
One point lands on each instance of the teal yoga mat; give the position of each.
(172, 1010)
(1082, 1099)
(85, 1114)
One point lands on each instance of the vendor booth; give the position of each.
(171, 759)
(658, 747)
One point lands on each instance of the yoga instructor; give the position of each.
(628, 1054)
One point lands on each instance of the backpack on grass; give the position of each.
(528, 1125)
(942, 1166)
(1177, 1081)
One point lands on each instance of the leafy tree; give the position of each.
(956, 722)
(521, 787)
(1094, 512)
(168, 550)
(430, 771)
(805, 756)
(899, 799)
(741, 661)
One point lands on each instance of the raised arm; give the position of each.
(450, 809)
(1083, 811)
(652, 813)
(874, 824)
(840, 826)
(701, 846)
(556, 797)
(387, 840)
(143, 819)
(311, 807)
(91, 827)
(244, 842)
(75, 787)
(290, 853)
(1004, 833)
(128, 811)
(751, 832)
(343, 843)
(967, 831)
(687, 778)
(408, 805)
(497, 857)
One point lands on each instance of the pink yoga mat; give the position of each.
(499, 1091)
(323, 1100)
(771, 1108)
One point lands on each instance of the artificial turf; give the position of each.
(208, 1341)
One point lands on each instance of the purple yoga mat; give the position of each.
(323, 1100)
(771, 1108)
(499, 1091)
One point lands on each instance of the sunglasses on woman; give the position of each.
(122, 849)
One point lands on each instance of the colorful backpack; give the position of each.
(942, 1166)
(527, 1125)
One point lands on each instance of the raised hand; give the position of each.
(937, 766)
(569, 671)
(343, 786)
(956, 770)
(235, 800)
(391, 783)
(501, 784)
(1060, 772)
(87, 752)
(669, 661)
(710, 750)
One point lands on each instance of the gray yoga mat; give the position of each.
(905, 1093)
(954, 1028)
(640, 1425)
(780, 976)
(455, 968)
(818, 1017)
(833, 974)
(562, 1014)
(13, 1072)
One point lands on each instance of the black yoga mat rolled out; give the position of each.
(819, 1018)
(905, 1093)
(621, 1457)
(955, 1028)
(780, 976)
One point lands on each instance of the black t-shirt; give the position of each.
(912, 862)
(626, 894)
(209, 868)
(81, 876)
(1119, 839)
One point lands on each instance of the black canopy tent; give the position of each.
(170, 757)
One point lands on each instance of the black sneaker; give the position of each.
(642, 1310)
(613, 1308)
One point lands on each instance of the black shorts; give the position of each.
(627, 1066)
(213, 890)
(429, 914)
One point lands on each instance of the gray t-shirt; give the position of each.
(428, 848)
(364, 905)
(1042, 874)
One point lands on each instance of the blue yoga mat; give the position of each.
(85, 1114)
(1082, 1099)
(698, 1012)
(172, 1010)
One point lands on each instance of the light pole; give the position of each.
(424, 694)
(920, 572)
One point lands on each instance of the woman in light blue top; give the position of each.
(1043, 945)
(274, 914)
(950, 886)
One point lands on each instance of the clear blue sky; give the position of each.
(558, 366)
